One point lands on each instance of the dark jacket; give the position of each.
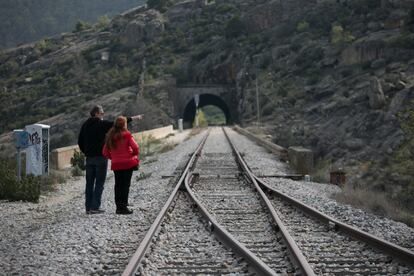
(92, 135)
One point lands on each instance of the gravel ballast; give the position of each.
(55, 236)
(319, 195)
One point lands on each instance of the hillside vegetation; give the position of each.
(26, 20)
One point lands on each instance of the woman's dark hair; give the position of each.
(115, 133)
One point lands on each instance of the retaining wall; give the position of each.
(300, 159)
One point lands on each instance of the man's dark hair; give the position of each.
(95, 110)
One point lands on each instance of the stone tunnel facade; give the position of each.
(223, 97)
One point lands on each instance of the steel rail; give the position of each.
(296, 253)
(392, 249)
(226, 238)
(140, 252)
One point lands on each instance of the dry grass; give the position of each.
(167, 147)
(194, 131)
(375, 202)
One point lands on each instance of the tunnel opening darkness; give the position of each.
(206, 100)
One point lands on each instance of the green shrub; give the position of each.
(202, 122)
(76, 171)
(302, 26)
(82, 26)
(28, 189)
(78, 160)
(235, 27)
(46, 46)
(339, 35)
(103, 22)
(9, 68)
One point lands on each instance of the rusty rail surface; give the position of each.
(140, 252)
(296, 253)
(392, 249)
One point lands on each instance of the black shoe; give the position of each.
(97, 211)
(125, 211)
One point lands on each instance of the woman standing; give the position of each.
(121, 148)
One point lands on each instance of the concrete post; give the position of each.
(301, 159)
(180, 125)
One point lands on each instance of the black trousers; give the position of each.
(122, 183)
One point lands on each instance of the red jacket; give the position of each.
(125, 155)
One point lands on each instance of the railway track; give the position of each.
(264, 235)
(331, 252)
(186, 246)
(234, 202)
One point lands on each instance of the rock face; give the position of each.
(375, 94)
(365, 49)
(145, 27)
(263, 17)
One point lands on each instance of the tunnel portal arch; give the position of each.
(221, 96)
(205, 99)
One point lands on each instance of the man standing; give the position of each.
(91, 140)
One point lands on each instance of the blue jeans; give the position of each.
(96, 168)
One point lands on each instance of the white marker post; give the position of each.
(196, 101)
(180, 125)
(37, 154)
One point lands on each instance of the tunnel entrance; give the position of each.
(205, 100)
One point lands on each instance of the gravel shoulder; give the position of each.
(56, 237)
(319, 195)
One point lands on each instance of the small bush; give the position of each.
(302, 26)
(103, 22)
(340, 36)
(235, 27)
(81, 26)
(76, 171)
(78, 160)
(28, 189)
(202, 122)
